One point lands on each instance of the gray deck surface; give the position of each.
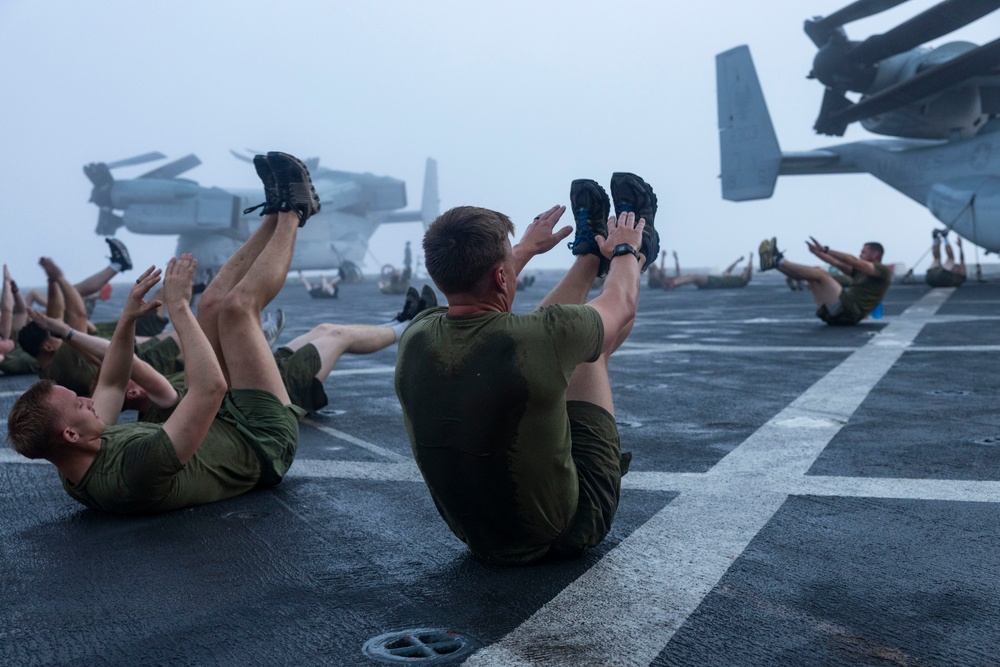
(799, 495)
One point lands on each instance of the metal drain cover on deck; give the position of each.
(420, 646)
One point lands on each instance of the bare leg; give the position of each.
(93, 284)
(824, 288)
(591, 383)
(748, 272)
(575, 285)
(690, 278)
(334, 340)
(729, 269)
(235, 268)
(949, 263)
(247, 355)
(936, 254)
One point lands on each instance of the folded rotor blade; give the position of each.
(819, 29)
(241, 156)
(175, 168)
(941, 19)
(976, 62)
(138, 159)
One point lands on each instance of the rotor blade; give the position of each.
(833, 102)
(971, 64)
(241, 156)
(138, 159)
(941, 19)
(175, 168)
(819, 29)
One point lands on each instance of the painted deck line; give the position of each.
(347, 437)
(625, 609)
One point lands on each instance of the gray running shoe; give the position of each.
(273, 326)
(295, 188)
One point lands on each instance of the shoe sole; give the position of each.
(300, 190)
(766, 249)
(627, 187)
(583, 192)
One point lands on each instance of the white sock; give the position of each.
(115, 266)
(397, 327)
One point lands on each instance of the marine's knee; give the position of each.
(238, 303)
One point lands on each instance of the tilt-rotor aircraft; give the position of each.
(210, 224)
(941, 105)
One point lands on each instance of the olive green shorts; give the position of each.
(270, 428)
(845, 313)
(723, 282)
(941, 277)
(18, 362)
(105, 329)
(162, 354)
(298, 371)
(597, 455)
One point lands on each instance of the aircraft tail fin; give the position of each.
(430, 205)
(750, 154)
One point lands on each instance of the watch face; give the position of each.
(624, 249)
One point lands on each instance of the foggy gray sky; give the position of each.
(514, 100)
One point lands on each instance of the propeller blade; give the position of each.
(175, 168)
(241, 156)
(976, 62)
(98, 174)
(819, 29)
(941, 19)
(833, 102)
(138, 159)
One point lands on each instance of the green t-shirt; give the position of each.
(867, 291)
(157, 415)
(137, 470)
(484, 403)
(18, 362)
(70, 369)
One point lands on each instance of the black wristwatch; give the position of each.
(624, 249)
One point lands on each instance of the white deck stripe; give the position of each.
(381, 451)
(625, 609)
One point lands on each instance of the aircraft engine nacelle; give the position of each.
(971, 207)
(957, 111)
(173, 206)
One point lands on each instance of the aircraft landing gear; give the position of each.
(350, 273)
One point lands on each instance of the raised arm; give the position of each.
(206, 384)
(157, 387)
(20, 309)
(844, 262)
(619, 299)
(75, 312)
(6, 307)
(117, 367)
(539, 238)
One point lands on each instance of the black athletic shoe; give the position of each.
(271, 195)
(411, 306)
(428, 299)
(631, 194)
(590, 207)
(119, 254)
(769, 254)
(295, 188)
